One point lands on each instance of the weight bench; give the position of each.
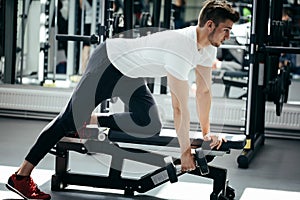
(230, 79)
(151, 150)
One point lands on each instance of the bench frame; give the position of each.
(64, 177)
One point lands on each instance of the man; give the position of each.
(117, 68)
(179, 10)
(288, 59)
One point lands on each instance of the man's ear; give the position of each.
(210, 25)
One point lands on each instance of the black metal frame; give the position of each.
(10, 41)
(63, 177)
(2, 28)
(264, 56)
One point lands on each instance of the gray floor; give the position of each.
(275, 167)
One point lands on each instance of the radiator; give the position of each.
(32, 99)
(16, 100)
(289, 118)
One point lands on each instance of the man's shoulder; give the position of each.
(188, 29)
(211, 48)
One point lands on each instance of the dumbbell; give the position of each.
(92, 131)
(118, 24)
(145, 20)
(201, 161)
(174, 170)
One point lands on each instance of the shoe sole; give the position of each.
(15, 191)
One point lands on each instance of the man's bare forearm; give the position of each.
(203, 97)
(203, 107)
(180, 97)
(182, 127)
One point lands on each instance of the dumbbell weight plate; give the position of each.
(172, 173)
(201, 161)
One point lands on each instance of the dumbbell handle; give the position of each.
(175, 170)
(203, 170)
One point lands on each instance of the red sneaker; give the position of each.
(26, 188)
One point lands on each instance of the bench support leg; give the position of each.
(219, 176)
(61, 167)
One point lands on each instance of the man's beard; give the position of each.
(210, 38)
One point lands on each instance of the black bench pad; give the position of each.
(167, 137)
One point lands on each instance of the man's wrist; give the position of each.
(209, 134)
(206, 134)
(186, 151)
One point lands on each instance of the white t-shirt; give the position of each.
(173, 51)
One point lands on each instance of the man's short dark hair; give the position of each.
(218, 11)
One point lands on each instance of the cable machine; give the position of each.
(267, 82)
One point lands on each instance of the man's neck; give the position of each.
(202, 40)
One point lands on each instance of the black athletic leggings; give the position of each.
(101, 81)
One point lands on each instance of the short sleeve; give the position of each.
(207, 56)
(178, 66)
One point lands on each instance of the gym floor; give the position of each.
(272, 174)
